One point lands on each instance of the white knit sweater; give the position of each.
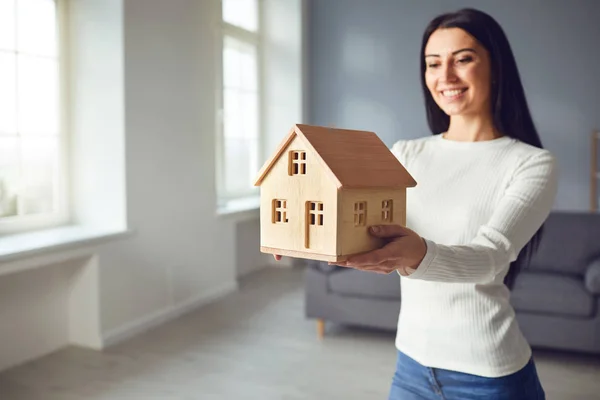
(476, 204)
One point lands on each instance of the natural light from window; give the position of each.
(30, 126)
(242, 13)
(240, 101)
(241, 94)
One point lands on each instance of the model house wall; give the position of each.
(361, 208)
(286, 196)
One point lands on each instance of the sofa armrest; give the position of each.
(592, 277)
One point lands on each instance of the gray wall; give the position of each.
(364, 71)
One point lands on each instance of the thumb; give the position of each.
(388, 231)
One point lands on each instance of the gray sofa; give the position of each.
(557, 299)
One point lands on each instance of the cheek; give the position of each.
(478, 80)
(430, 82)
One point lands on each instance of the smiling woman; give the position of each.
(486, 188)
(458, 79)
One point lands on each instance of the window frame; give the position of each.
(254, 39)
(360, 214)
(29, 223)
(315, 215)
(280, 211)
(296, 162)
(387, 210)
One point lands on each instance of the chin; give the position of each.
(453, 110)
(454, 113)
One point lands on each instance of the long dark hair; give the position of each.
(510, 111)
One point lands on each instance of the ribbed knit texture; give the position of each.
(476, 204)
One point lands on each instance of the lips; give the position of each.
(453, 93)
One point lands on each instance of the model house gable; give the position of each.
(299, 157)
(297, 163)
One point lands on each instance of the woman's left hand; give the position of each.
(404, 250)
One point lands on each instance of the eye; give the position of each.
(433, 65)
(465, 60)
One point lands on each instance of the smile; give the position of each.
(453, 94)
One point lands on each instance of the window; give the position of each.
(315, 212)
(386, 210)
(360, 213)
(280, 211)
(297, 163)
(32, 186)
(239, 141)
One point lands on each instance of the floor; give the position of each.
(254, 344)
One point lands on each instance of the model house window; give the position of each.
(280, 211)
(315, 213)
(239, 139)
(360, 213)
(297, 165)
(32, 136)
(386, 210)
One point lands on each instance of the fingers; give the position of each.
(374, 257)
(388, 231)
(371, 258)
(386, 267)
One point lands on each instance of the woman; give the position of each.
(485, 188)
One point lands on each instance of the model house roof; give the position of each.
(353, 158)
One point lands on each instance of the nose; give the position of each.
(448, 73)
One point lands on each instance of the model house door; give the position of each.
(314, 225)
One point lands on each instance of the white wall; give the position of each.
(33, 313)
(181, 254)
(94, 49)
(248, 257)
(148, 103)
(181, 251)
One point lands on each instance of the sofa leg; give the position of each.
(320, 328)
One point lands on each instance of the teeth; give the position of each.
(451, 93)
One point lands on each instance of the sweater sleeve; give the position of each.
(400, 150)
(524, 207)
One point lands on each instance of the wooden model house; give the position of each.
(323, 188)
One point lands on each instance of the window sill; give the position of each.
(246, 208)
(20, 246)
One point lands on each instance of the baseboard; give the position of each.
(158, 318)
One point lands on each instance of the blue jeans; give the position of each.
(412, 381)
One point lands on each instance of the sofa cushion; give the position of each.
(353, 282)
(569, 242)
(552, 294)
(592, 277)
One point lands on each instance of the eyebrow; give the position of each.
(454, 52)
